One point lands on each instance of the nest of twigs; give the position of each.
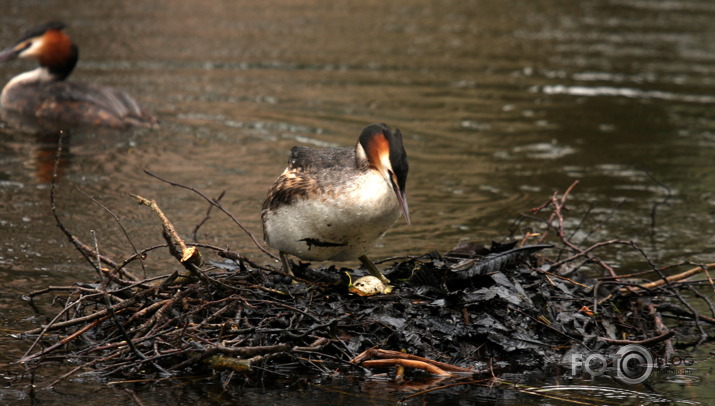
(473, 310)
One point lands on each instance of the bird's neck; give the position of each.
(37, 75)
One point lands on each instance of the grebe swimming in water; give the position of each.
(44, 92)
(334, 203)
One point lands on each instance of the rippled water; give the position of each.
(502, 103)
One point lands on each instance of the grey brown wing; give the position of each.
(311, 159)
(104, 99)
(105, 105)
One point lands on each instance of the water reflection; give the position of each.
(35, 141)
(46, 155)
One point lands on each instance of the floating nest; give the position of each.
(518, 306)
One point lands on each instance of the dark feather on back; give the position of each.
(311, 159)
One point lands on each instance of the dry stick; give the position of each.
(558, 207)
(647, 341)
(400, 374)
(696, 316)
(116, 321)
(143, 284)
(116, 279)
(560, 232)
(232, 303)
(223, 253)
(707, 273)
(295, 309)
(159, 315)
(220, 207)
(582, 253)
(675, 278)
(143, 312)
(168, 227)
(641, 273)
(678, 311)
(114, 369)
(135, 397)
(139, 255)
(207, 216)
(387, 354)
(234, 351)
(549, 326)
(654, 209)
(54, 326)
(109, 345)
(253, 286)
(166, 354)
(705, 298)
(252, 351)
(85, 250)
(86, 364)
(124, 231)
(133, 362)
(604, 221)
(563, 278)
(188, 262)
(398, 258)
(316, 345)
(44, 329)
(661, 329)
(236, 364)
(103, 314)
(286, 331)
(72, 288)
(126, 285)
(187, 255)
(382, 363)
(63, 341)
(581, 223)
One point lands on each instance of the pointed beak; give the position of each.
(9, 54)
(403, 201)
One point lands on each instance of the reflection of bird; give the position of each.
(334, 203)
(43, 92)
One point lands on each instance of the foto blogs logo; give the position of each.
(632, 364)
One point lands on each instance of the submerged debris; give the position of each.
(475, 309)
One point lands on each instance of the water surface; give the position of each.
(501, 104)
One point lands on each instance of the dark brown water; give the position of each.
(502, 103)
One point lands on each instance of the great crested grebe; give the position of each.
(44, 92)
(334, 203)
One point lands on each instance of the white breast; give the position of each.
(36, 75)
(335, 226)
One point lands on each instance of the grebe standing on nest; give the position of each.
(334, 203)
(44, 92)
